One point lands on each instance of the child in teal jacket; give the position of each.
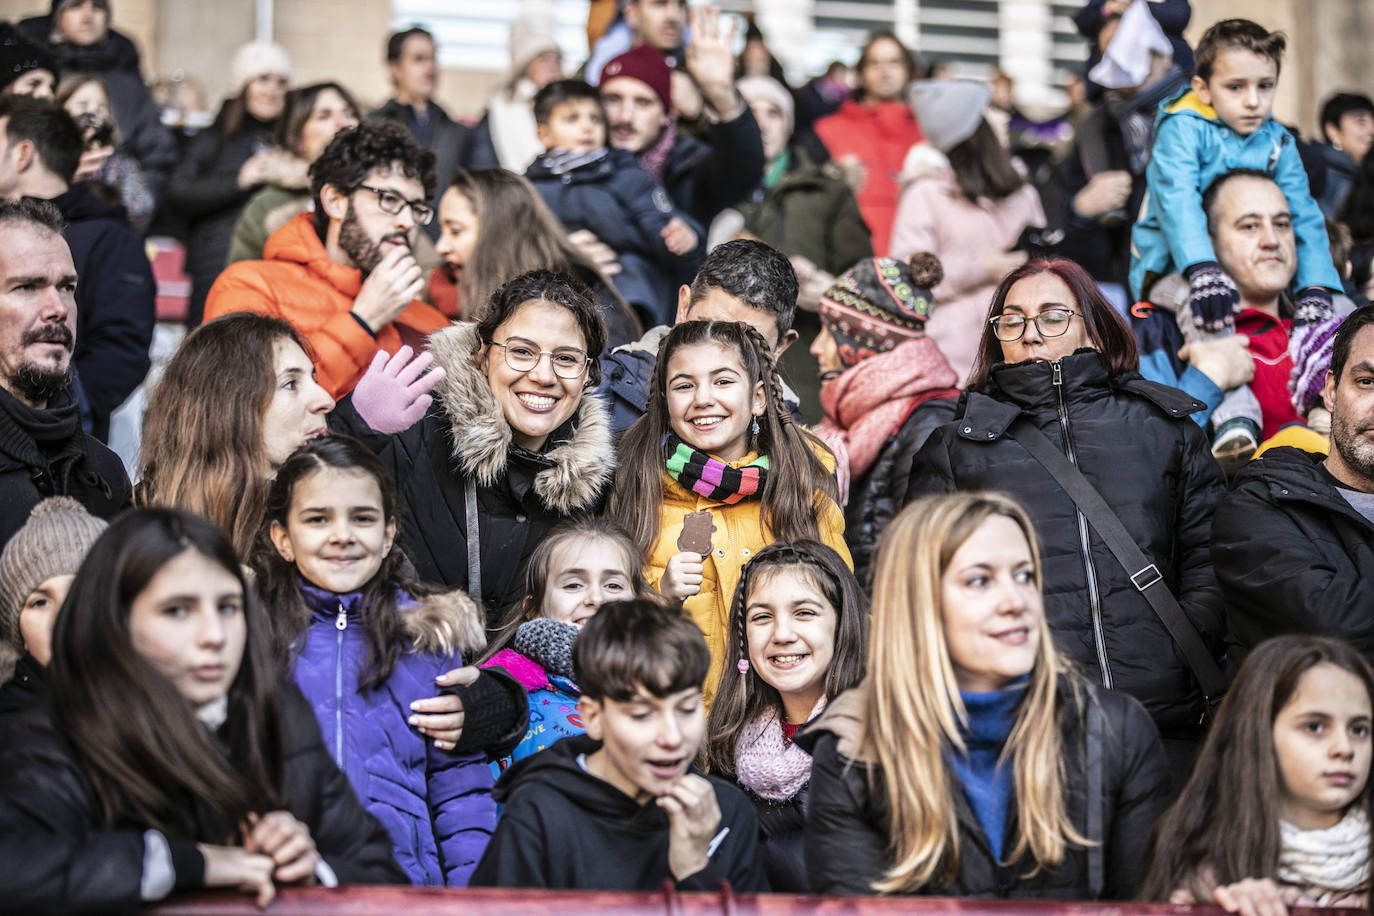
(1223, 123)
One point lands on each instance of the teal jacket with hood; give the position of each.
(1193, 147)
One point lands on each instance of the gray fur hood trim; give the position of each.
(582, 464)
(447, 623)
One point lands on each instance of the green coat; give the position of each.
(809, 212)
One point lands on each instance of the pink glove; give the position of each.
(393, 393)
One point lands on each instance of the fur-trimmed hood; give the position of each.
(447, 623)
(581, 462)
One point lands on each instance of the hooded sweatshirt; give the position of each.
(562, 827)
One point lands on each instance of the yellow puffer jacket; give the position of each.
(739, 534)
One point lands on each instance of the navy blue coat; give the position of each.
(704, 179)
(116, 304)
(625, 208)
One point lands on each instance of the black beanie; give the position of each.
(18, 56)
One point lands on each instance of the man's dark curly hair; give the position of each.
(356, 151)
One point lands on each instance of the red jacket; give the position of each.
(298, 281)
(879, 136)
(1273, 366)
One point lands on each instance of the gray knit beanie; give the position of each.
(949, 111)
(53, 542)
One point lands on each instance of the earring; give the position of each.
(754, 428)
(743, 666)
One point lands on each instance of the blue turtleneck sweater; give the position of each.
(987, 786)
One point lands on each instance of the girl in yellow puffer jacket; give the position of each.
(715, 470)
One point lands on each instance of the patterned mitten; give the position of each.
(1212, 295)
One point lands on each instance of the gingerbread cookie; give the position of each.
(696, 533)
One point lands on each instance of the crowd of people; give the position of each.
(681, 476)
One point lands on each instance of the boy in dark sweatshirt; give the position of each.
(589, 185)
(621, 808)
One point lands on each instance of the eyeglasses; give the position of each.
(1050, 323)
(523, 355)
(393, 203)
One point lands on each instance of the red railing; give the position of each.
(422, 901)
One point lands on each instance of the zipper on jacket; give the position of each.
(340, 625)
(1090, 570)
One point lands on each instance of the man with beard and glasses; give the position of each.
(43, 451)
(1293, 543)
(345, 275)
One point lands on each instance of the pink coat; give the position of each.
(933, 215)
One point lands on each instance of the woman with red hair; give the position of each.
(1057, 368)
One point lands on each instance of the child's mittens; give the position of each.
(394, 392)
(1313, 305)
(1309, 345)
(1212, 295)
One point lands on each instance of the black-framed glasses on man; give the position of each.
(393, 203)
(523, 355)
(1050, 323)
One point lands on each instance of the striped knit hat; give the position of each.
(879, 303)
(1311, 353)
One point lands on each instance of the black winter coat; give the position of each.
(205, 191)
(116, 303)
(782, 836)
(520, 494)
(876, 497)
(1292, 556)
(115, 60)
(44, 453)
(848, 823)
(27, 685)
(1133, 440)
(705, 179)
(61, 858)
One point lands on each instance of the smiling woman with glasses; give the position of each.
(515, 440)
(1056, 372)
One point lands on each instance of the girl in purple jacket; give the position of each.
(363, 640)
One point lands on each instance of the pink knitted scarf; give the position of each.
(769, 765)
(869, 402)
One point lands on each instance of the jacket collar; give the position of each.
(297, 242)
(1294, 476)
(445, 623)
(577, 466)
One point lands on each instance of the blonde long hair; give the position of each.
(914, 708)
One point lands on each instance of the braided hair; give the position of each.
(743, 695)
(798, 482)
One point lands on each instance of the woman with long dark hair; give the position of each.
(227, 163)
(172, 757)
(235, 400)
(1056, 361)
(965, 201)
(494, 226)
(973, 760)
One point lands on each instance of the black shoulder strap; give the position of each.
(1146, 576)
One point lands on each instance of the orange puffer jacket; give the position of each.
(298, 281)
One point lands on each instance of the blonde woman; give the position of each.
(972, 761)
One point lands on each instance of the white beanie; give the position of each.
(948, 111)
(1126, 62)
(531, 34)
(256, 59)
(767, 89)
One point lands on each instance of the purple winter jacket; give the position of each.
(437, 806)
